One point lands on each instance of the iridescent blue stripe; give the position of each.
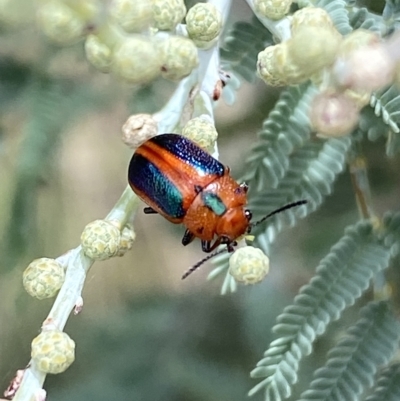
(190, 153)
(151, 182)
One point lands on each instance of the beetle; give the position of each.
(185, 184)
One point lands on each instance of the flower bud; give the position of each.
(137, 60)
(276, 68)
(138, 129)
(127, 237)
(202, 131)
(311, 16)
(60, 23)
(273, 9)
(368, 68)
(179, 57)
(204, 24)
(43, 278)
(167, 14)
(312, 49)
(248, 265)
(132, 15)
(355, 41)
(99, 47)
(53, 351)
(100, 240)
(267, 68)
(333, 114)
(98, 53)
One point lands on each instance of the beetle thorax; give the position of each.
(218, 210)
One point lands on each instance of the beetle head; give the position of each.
(234, 223)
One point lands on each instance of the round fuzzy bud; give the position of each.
(167, 14)
(368, 68)
(98, 53)
(276, 67)
(312, 49)
(179, 57)
(131, 15)
(333, 114)
(266, 67)
(273, 9)
(127, 237)
(204, 24)
(248, 265)
(43, 278)
(137, 60)
(100, 240)
(138, 129)
(310, 16)
(100, 47)
(287, 69)
(202, 131)
(53, 351)
(60, 23)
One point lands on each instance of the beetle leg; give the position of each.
(149, 210)
(231, 245)
(188, 237)
(206, 246)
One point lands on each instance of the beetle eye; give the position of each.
(248, 214)
(241, 188)
(244, 186)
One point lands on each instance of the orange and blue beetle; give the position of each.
(185, 184)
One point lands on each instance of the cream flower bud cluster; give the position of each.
(100, 240)
(136, 40)
(248, 265)
(346, 69)
(52, 351)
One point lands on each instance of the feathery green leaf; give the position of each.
(387, 387)
(361, 18)
(353, 362)
(286, 128)
(386, 105)
(341, 278)
(311, 173)
(338, 13)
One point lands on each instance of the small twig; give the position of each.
(77, 266)
(359, 179)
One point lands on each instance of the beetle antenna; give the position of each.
(281, 209)
(198, 264)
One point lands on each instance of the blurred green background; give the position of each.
(143, 333)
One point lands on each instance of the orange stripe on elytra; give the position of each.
(181, 174)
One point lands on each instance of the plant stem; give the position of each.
(359, 179)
